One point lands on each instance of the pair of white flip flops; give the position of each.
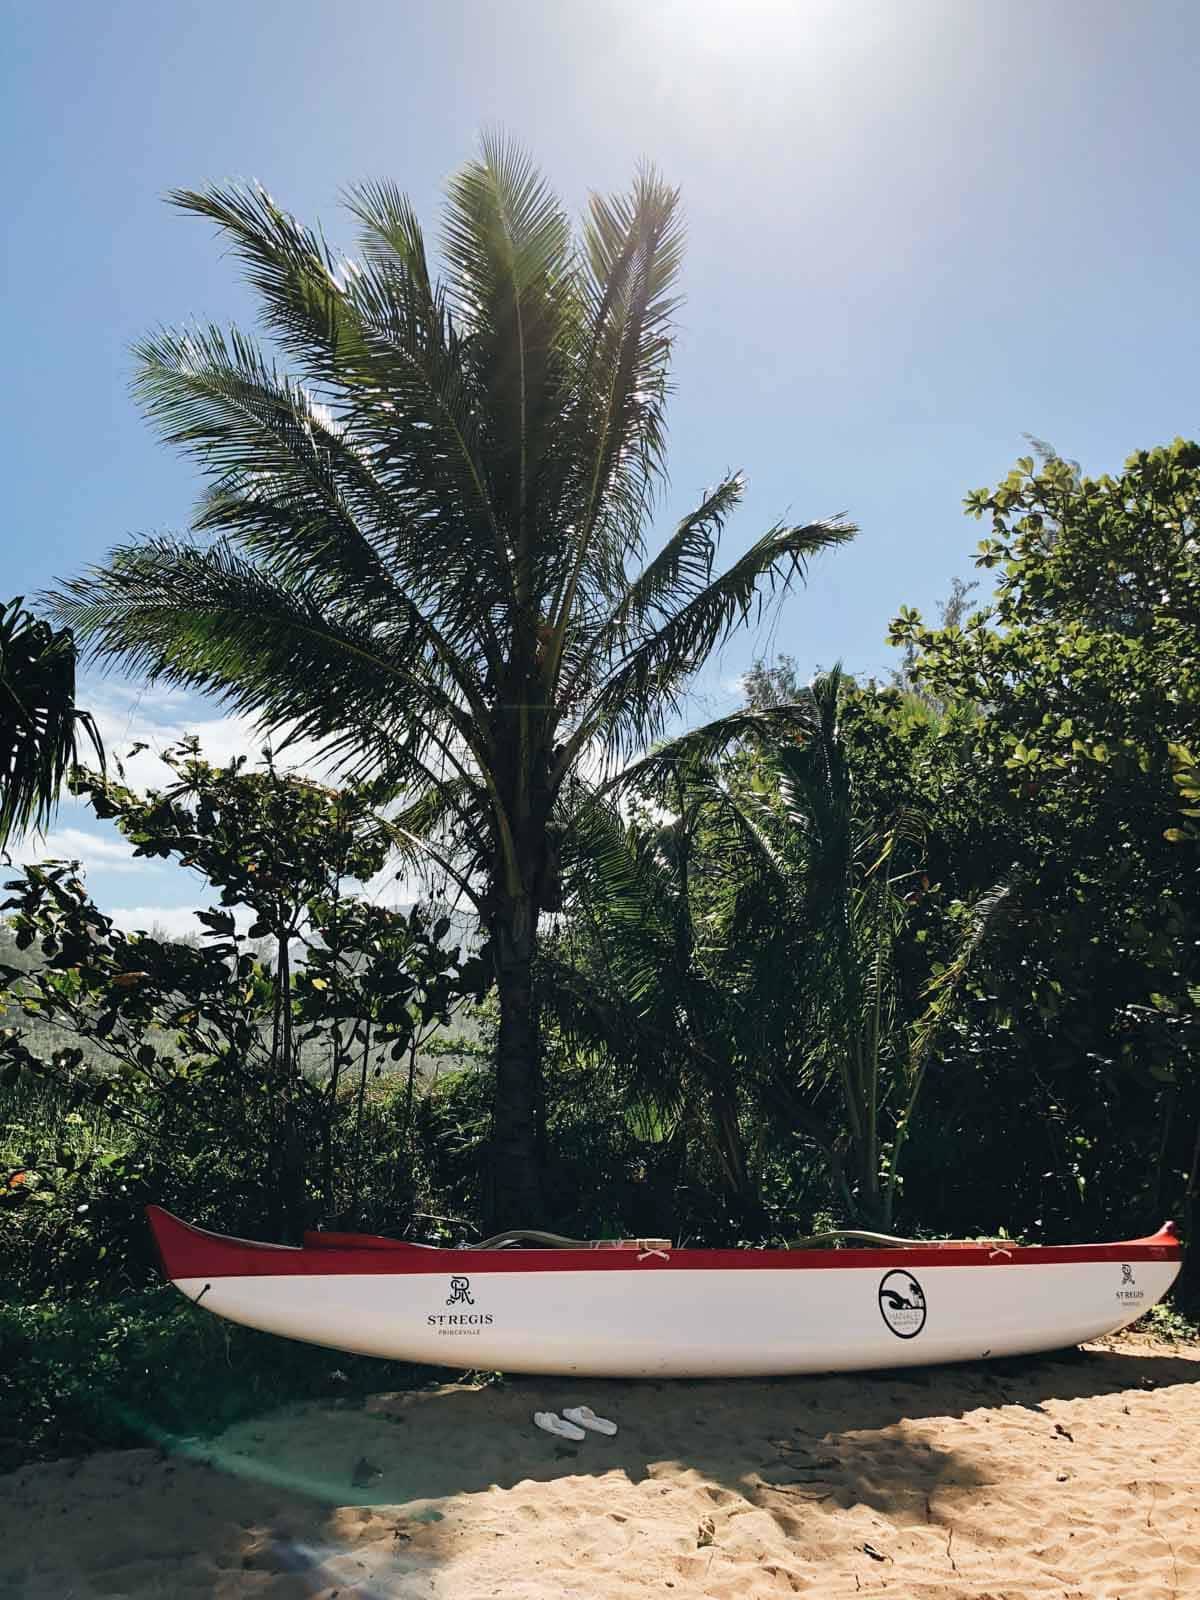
(576, 1422)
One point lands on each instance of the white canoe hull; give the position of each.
(704, 1323)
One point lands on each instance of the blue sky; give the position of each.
(917, 230)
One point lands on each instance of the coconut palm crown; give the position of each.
(422, 546)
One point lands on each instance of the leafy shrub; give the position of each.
(150, 1369)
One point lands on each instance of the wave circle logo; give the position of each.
(902, 1303)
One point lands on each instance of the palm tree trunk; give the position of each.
(730, 1144)
(514, 1191)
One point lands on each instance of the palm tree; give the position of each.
(631, 983)
(819, 912)
(423, 548)
(39, 722)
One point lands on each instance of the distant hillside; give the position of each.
(43, 1038)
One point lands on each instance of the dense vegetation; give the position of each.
(928, 958)
(922, 954)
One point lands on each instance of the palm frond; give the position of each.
(632, 705)
(613, 440)
(392, 239)
(379, 343)
(680, 570)
(944, 986)
(211, 621)
(291, 268)
(269, 449)
(942, 995)
(633, 248)
(507, 244)
(641, 1061)
(693, 752)
(606, 862)
(39, 721)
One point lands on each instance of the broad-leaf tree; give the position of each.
(39, 721)
(1082, 767)
(423, 544)
(252, 1047)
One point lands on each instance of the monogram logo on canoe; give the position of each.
(1129, 1290)
(902, 1304)
(460, 1292)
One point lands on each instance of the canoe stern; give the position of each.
(186, 1251)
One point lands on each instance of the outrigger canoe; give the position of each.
(641, 1309)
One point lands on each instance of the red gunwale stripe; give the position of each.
(190, 1252)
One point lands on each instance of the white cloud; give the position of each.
(399, 886)
(175, 921)
(159, 718)
(94, 852)
(144, 700)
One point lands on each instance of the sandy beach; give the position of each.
(1072, 1476)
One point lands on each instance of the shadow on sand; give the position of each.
(283, 1494)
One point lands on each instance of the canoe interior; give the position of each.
(188, 1251)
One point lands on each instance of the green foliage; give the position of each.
(767, 998)
(1080, 694)
(248, 1056)
(1055, 1061)
(74, 1182)
(39, 721)
(1167, 1321)
(772, 683)
(1087, 663)
(148, 1369)
(752, 960)
(1185, 773)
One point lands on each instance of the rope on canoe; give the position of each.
(558, 1241)
(553, 1241)
(837, 1234)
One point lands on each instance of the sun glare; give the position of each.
(756, 28)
